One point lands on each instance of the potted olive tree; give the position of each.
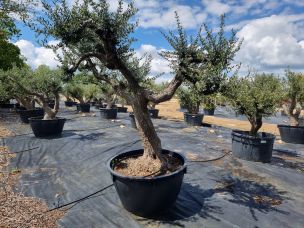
(42, 83)
(293, 104)
(211, 78)
(27, 101)
(100, 41)
(255, 96)
(191, 100)
(209, 104)
(109, 109)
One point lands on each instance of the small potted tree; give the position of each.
(209, 104)
(42, 83)
(69, 102)
(191, 99)
(77, 91)
(293, 104)
(109, 109)
(12, 90)
(122, 107)
(255, 97)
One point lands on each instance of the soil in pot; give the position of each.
(108, 113)
(83, 107)
(146, 196)
(154, 113)
(122, 109)
(47, 128)
(292, 134)
(209, 112)
(252, 148)
(26, 114)
(193, 119)
(133, 122)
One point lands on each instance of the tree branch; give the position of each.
(85, 56)
(168, 92)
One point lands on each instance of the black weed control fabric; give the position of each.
(224, 193)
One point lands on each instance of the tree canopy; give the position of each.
(255, 96)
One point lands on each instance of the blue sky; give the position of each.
(273, 31)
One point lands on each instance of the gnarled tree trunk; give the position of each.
(26, 102)
(111, 100)
(50, 113)
(256, 124)
(151, 142)
(293, 112)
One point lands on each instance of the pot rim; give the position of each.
(181, 169)
(289, 126)
(107, 108)
(197, 114)
(37, 118)
(241, 134)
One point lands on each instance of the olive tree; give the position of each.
(189, 98)
(12, 90)
(93, 37)
(255, 96)
(41, 84)
(293, 102)
(220, 50)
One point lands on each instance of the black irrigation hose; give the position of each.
(81, 199)
(22, 151)
(212, 159)
(89, 196)
(103, 189)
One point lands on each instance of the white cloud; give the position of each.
(158, 64)
(36, 56)
(272, 43)
(216, 7)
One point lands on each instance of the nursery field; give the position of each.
(224, 117)
(218, 190)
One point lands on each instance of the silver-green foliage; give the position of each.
(255, 96)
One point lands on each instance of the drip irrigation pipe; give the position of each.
(22, 151)
(89, 196)
(213, 159)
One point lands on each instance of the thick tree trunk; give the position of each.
(292, 112)
(26, 102)
(111, 101)
(50, 114)
(151, 142)
(256, 124)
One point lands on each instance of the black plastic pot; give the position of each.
(20, 108)
(108, 113)
(133, 122)
(209, 112)
(51, 104)
(147, 197)
(154, 113)
(26, 114)
(46, 128)
(122, 109)
(6, 105)
(69, 103)
(292, 134)
(193, 119)
(258, 149)
(83, 107)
